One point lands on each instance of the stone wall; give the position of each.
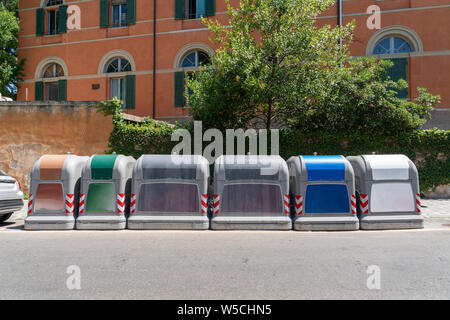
(30, 129)
(440, 118)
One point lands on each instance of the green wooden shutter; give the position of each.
(62, 90)
(210, 7)
(131, 11)
(104, 13)
(397, 72)
(179, 9)
(62, 19)
(39, 21)
(39, 91)
(130, 91)
(179, 89)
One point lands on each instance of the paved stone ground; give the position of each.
(436, 208)
(435, 211)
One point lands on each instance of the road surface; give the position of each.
(412, 264)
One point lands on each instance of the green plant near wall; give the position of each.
(429, 149)
(135, 139)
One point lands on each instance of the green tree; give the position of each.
(359, 97)
(10, 68)
(271, 53)
(276, 65)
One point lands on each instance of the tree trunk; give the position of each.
(269, 114)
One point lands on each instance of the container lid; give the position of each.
(102, 166)
(178, 167)
(325, 168)
(51, 167)
(251, 167)
(389, 167)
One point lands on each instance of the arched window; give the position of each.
(195, 59)
(121, 86)
(54, 88)
(191, 61)
(118, 65)
(53, 70)
(392, 45)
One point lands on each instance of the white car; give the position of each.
(11, 196)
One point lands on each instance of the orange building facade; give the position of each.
(139, 50)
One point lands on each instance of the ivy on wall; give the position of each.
(429, 149)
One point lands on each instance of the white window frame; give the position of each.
(49, 22)
(121, 88)
(119, 4)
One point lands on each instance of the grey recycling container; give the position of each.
(323, 193)
(105, 192)
(54, 192)
(170, 192)
(251, 192)
(388, 192)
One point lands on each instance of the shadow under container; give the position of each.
(54, 192)
(170, 192)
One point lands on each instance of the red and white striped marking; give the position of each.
(287, 207)
(70, 203)
(419, 204)
(204, 202)
(82, 203)
(298, 205)
(30, 203)
(121, 203)
(353, 204)
(216, 203)
(364, 203)
(133, 203)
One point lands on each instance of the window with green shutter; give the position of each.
(39, 21)
(179, 9)
(62, 90)
(179, 89)
(62, 19)
(131, 12)
(194, 9)
(130, 83)
(104, 13)
(39, 91)
(399, 71)
(210, 7)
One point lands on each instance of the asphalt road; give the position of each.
(225, 265)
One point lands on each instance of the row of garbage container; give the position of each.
(110, 192)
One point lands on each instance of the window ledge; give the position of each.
(52, 38)
(118, 32)
(192, 24)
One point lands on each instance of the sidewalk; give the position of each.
(436, 208)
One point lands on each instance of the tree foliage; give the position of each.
(359, 97)
(271, 53)
(276, 65)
